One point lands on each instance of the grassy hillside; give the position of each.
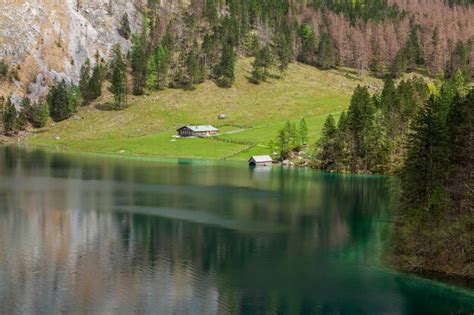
(254, 115)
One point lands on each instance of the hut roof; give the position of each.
(200, 128)
(261, 159)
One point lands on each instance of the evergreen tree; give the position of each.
(360, 119)
(326, 52)
(425, 165)
(59, 102)
(95, 83)
(261, 66)
(194, 70)
(303, 131)
(226, 68)
(326, 146)
(308, 44)
(412, 49)
(84, 80)
(138, 63)
(38, 114)
(118, 78)
(9, 118)
(283, 52)
(458, 62)
(158, 68)
(125, 30)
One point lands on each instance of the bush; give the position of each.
(3, 68)
(9, 118)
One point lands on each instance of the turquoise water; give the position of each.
(104, 235)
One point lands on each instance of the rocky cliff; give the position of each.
(50, 39)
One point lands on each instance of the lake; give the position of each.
(97, 234)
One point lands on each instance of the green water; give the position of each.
(85, 234)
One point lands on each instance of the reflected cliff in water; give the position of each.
(95, 234)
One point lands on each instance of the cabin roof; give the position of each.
(261, 159)
(200, 128)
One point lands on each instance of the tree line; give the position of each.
(425, 135)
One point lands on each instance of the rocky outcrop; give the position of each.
(50, 39)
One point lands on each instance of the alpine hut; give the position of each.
(197, 131)
(260, 160)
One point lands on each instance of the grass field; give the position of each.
(254, 116)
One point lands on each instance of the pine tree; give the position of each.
(423, 173)
(283, 52)
(95, 83)
(118, 78)
(84, 80)
(360, 119)
(326, 52)
(413, 50)
(458, 61)
(9, 118)
(138, 63)
(59, 102)
(125, 30)
(308, 44)
(158, 68)
(226, 68)
(261, 66)
(303, 131)
(326, 146)
(38, 114)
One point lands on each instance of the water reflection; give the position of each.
(88, 234)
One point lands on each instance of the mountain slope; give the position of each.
(254, 115)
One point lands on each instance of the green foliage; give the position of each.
(9, 118)
(226, 69)
(125, 30)
(37, 114)
(139, 64)
(308, 44)
(118, 78)
(290, 139)
(3, 68)
(410, 55)
(261, 66)
(326, 52)
(84, 79)
(63, 100)
(459, 61)
(95, 83)
(303, 131)
(158, 68)
(437, 181)
(283, 52)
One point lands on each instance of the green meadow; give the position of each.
(254, 114)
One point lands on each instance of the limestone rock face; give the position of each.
(50, 39)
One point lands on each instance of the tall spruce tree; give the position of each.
(360, 119)
(139, 64)
(226, 68)
(118, 78)
(95, 83)
(10, 116)
(326, 56)
(125, 30)
(59, 102)
(84, 80)
(261, 66)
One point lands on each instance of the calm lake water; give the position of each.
(107, 235)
